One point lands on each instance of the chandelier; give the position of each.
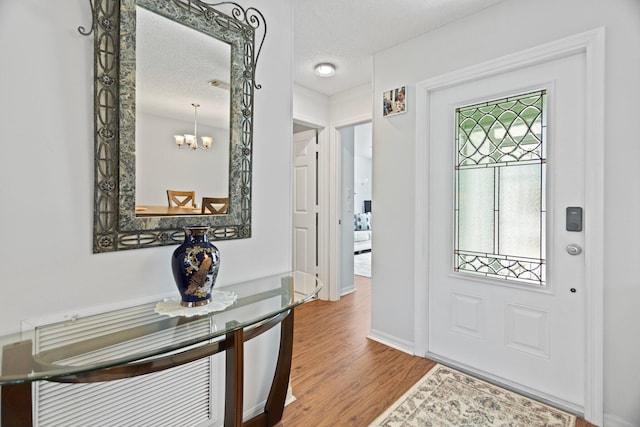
(191, 141)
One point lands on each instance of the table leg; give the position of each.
(278, 394)
(234, 381)
(16, 406)
(274, 407)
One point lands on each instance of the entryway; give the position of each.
(510, 222)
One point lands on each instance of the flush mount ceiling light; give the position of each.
(325, 69)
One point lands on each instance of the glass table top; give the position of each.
(138, 334)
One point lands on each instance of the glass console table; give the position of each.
(168, 342)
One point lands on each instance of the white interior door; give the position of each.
(304, 204)
(497, 306)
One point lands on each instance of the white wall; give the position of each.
(361, 182)
(362, 166)
(46, 175)
(310, 107)
(505, 28)
(353, 106)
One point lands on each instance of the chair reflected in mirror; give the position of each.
(181, 199)
(215, 205)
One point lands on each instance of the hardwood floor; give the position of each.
(338, 376)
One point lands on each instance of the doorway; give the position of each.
(363, 158)
(512, 304)
(355, 204)
(305, 200)
(515, 326)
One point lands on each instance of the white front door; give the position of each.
(304, 203)
(505, 297)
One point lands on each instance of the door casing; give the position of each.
(590, 43)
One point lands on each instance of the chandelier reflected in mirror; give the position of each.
(191, 140)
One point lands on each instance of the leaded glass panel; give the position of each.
(475, 219)
(519, 211)
(500, 167)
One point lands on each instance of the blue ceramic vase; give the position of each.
(195, 265)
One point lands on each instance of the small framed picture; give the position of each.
(394, 101)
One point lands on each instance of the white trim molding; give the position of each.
(391, 341)
(590, 43)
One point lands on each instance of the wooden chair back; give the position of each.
(215, 205)
(181, 198)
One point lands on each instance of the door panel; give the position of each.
(531, 336)
(304, 204)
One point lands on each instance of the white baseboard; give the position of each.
(290, 397)
(391, 341)
(347, 291)
(614, 421)
(258, 408)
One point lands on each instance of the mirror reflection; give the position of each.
(182, 119)
(141, 101)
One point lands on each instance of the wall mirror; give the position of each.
(166, 68)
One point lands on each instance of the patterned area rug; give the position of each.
(445, 397)
(362, 264)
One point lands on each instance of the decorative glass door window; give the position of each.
(499, 227)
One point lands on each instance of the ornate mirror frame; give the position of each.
(116, 226)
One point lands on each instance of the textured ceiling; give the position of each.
(344, 32)
(173, 67)
(348, 32)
